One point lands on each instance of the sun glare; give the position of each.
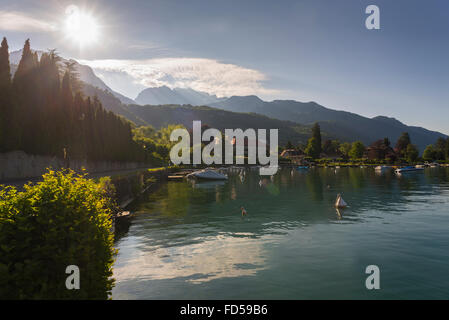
(81, 27)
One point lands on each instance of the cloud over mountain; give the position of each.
(205, 75)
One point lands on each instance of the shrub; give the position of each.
(63, 220)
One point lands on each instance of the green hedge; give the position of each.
(63, 220)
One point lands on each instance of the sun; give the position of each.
(81, 27)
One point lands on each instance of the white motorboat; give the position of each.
(434, 165)
(408, 169)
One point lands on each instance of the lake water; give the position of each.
(190, 241)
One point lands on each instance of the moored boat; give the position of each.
(434, 165)
(208, 174)
(408, 169)
(382, 168)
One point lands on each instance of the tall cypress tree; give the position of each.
(316, 133)
(67, 106)
(26, 64)
(5, 81)
(5, 71)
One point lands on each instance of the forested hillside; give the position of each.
(161, 116)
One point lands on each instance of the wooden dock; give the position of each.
(179, 176)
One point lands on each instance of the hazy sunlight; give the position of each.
(81, 27)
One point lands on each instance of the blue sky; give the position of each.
(307, 50)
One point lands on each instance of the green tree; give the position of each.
(289, 145)
(357, 150)
(402, 143)
(344, 149)
(411, 153)
(316, 133)
(312, 149)
(447, 149)
(63, 220)
(440, 149)
(429, 153)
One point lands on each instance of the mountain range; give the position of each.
(343, 125)
(159, 106)
(165, 95)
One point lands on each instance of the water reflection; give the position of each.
(198, 262)
(194, 233)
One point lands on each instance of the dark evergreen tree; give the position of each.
(5, 71)
(447, 149)
(316, 133)
(411, 153)
(5, 99)
(429, 153)
(26, 86)
(440, 149)
(402, 143)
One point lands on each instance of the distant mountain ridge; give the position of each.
(344, 125)
(165, 95)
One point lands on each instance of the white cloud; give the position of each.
(205, 75)
(15, 21)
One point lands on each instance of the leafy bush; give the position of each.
(63, 220)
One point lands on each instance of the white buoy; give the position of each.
(340, 203)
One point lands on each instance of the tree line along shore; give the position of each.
(334, 152)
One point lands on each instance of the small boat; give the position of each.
(340, 203)
(207, 174)
(302, 167)
(382, 168)
(408, 169)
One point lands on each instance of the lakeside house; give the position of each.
(295, 156)
(379, 150)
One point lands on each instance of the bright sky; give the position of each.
(309, 50)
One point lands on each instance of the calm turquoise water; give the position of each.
(190, 241)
